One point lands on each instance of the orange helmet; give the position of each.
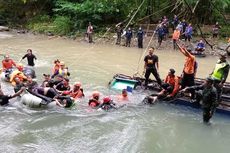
(77, 84)
(106, 99)
(96, 94)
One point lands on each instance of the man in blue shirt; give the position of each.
(200, 47)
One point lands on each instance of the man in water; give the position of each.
(220, 74)
(4, 99)
(208, 95)
(7, 63)
(30, 57)
(151, 66)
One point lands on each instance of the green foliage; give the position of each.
(62, 25)
(225, 31)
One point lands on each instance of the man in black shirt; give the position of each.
(30, 57)
(4, 99)
(151, 66)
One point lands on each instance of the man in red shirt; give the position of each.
(7, 63)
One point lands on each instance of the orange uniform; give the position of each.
(8, 64)
(74, 94)
(176, 34)
(189, 66)
(173, 81)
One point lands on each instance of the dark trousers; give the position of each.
(174, 43)
(188, 80)
(155, 73)
(128, 41)
(118, 39)
(207, 114)
(140, 43)
(218, 90)
(90, 37)
(188, 37)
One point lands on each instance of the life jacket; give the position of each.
(219, 70)
(63, 72)
(93, 103)
(76, 94)
(17, 74)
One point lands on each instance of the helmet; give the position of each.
(96, 94)
(172, 71)
(77, 84)
(106, 99)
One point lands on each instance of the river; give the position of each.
(134, 128)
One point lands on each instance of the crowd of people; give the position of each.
(173, 84)
(54, 87)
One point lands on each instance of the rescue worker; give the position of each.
(119, 32)
(7, 64)
(128, 35)
(62, 71)
(175, 37)
(90, 32)
(108, 104)
(220, 74)
(170, 88)
(140, 37)
(76, 92)
(4, 99)
(151, 66)
(208, 95)
(189, 70)
(30, 57)
(94, 101)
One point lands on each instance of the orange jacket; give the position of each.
(173, 81)
(8, 64)
(189, 66)
(176, 34)
(75, 95)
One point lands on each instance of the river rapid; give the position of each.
(162, 128)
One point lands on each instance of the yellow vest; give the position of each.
(218, 71)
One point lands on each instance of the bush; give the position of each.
(225, 31)
(62, 25)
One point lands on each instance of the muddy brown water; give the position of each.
(135, 128)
